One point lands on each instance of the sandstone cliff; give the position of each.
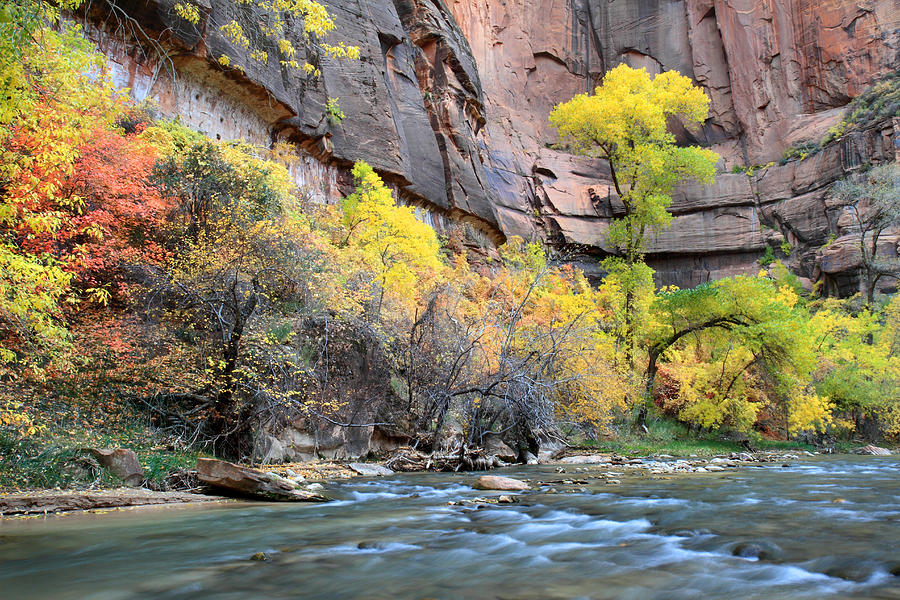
(451, 98)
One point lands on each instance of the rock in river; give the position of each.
(370, 470)
(250, 482)
(873, 450)
(506, 484)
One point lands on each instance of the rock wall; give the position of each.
(451, 98)
(778, 72)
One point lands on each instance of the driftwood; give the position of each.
(250, 482)
(463, 459)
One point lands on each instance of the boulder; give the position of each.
(267, 449)
(251, 482)
(370, 470)
(873, 451)
(121, 462)
(505, 484)
(494, 446)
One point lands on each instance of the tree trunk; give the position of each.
(224, 406)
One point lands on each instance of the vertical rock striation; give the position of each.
(451, 98)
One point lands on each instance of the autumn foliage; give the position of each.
(142, 263)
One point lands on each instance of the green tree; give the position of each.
(625, 123)
(859, 363)
(733, 346)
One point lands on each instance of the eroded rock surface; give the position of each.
(56, 501)
(451, 98)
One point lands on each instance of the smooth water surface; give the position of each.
(820, 528)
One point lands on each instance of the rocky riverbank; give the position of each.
(307, 480)
(45, 502)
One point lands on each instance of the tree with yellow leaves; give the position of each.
(511, 353)
(625, 123)
(731, 347)
(859, 364)
(273, 17)
(401, 252)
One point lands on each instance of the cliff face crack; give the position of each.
(461, 137)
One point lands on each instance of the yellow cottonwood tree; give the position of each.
(730, 348)
(859, 362)
(401, 252)
(625, 123)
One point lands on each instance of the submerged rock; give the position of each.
(506, 484)
(855, 573)
(757, 550)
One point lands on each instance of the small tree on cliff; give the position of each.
(625, 123)
(874, 202)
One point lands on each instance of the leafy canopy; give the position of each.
(401, 252)
(625, 122)
(54, 95)
(730, 348)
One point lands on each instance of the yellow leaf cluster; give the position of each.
(274, 16)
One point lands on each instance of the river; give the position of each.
(825, 527)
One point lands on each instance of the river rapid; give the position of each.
(825, 527)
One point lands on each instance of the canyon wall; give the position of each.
(451, 98)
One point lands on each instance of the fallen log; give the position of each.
(407, 459)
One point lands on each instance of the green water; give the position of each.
(399, 538)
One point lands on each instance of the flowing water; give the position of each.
(819, 528)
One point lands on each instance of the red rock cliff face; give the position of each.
(777, 72)
(451, 99)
